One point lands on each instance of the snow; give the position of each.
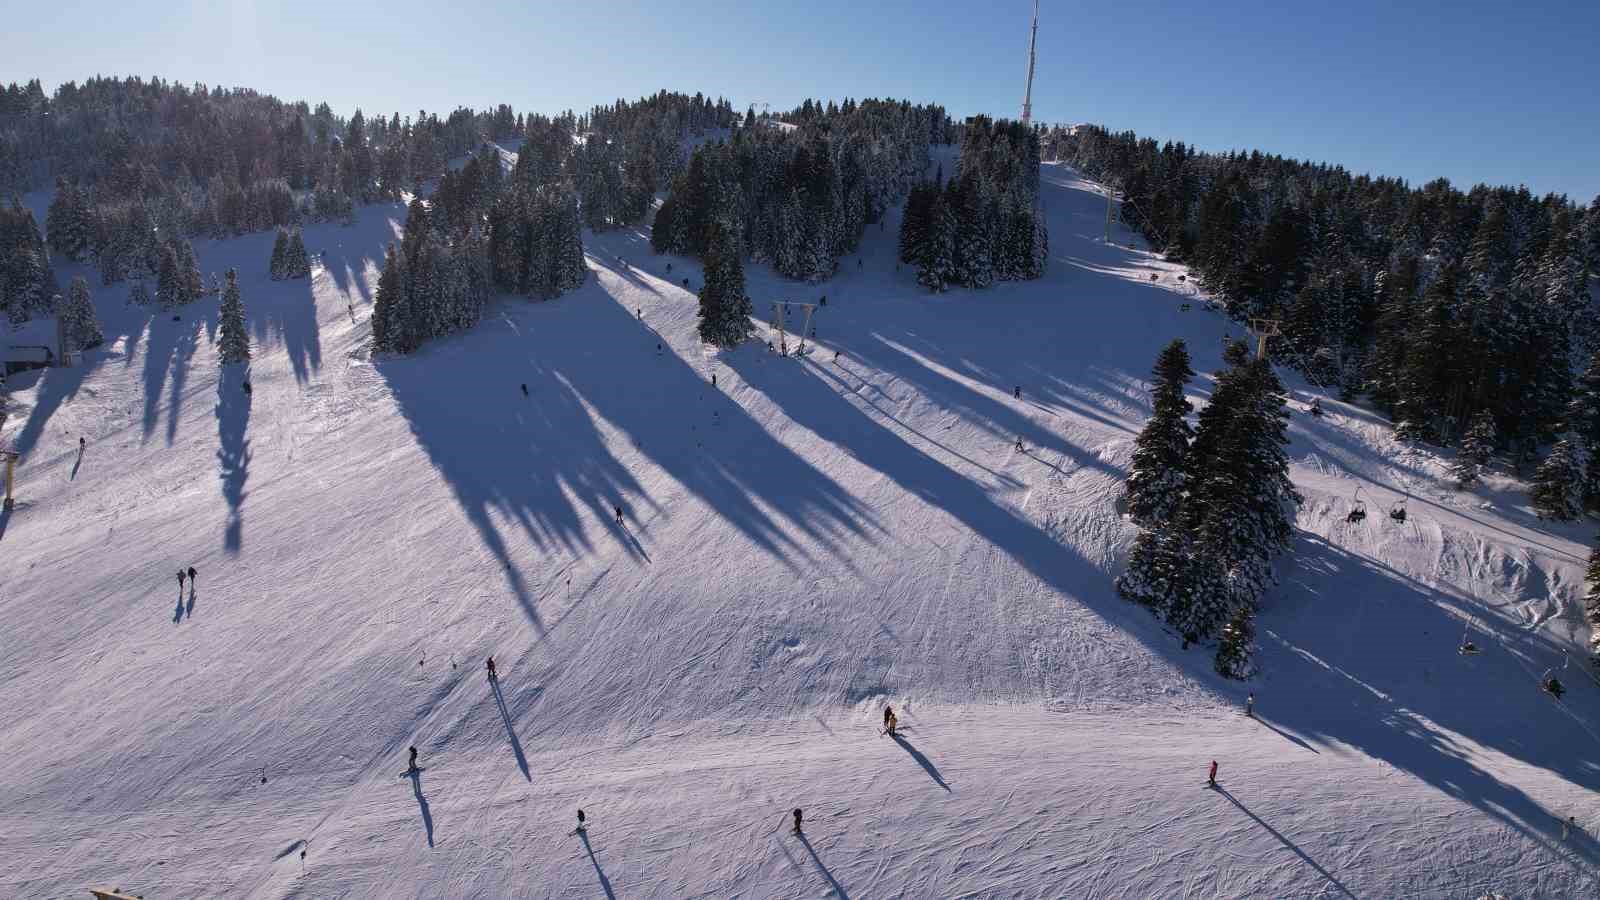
(802, 543)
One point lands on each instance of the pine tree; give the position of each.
(1158, 477)
(1236, 644)
(233, 340)
(1476, 447)
(724, 308)
(937, 268)
(78, 318)
(169, 279)
(280, 250)
(1558, 485)
(296, 264)
(190, 284)
(1591, 600)
(387, 303)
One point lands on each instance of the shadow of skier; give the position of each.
(1286, 735)
(1285, 841)
(605, 883)
(832, 882)
(930, 768)
(422, 802)
(511, 732)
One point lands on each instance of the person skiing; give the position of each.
(1017, 392)
(581, 825)
(889, 720)
(639, 311)
(192, 580)
(491, 669)
(797, 820)
(619, 516)
(247, 388)
(658, 348)
(1250, 705)
(669, 267)
(1020, 448)
(1316, 406)
(1567, 826)
(80, 445)
(835, 356)
(713, 379)
(1211, 777)
(180, 582)
(413, 766)
(823, 301)
(524, 390)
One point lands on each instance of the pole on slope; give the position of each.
(1109, 192)
(11, 470)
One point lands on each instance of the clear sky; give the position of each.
(1503, 93)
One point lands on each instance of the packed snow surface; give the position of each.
(801, 543)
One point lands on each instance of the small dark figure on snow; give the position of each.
(1211, 777)
(713, 379)
(413, 759)
(835, 356)
(619, 516)
(181, 576)
(1554, 686)
(639, 311)
(797, 820)
(889, 720)
(492, 675)
(686, 283)
(581, 825)
(1017, 392)
(248, 389)
(669, 267)
(1316, 407)
(1020, 448)
(658, 348)
(1568, 826)
(823, 301)
(524, 390)
(302, 856)
(192, 579)
(1250, 705)
(80, 445)
(769, 346)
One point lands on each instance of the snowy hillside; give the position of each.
(802, 541)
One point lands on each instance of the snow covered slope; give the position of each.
(802, 542)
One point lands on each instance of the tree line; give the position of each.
(985, 224)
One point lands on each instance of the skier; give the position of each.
(80, 446)
(247, 388)
(1316, 407)
(639, 311)
(823, 301)
(492, 676)
(581, 825)
(619, 517)
(1017, 392)
(1020, 448)
(658, 348)
(1211, 777)
(1567, 826)
(524, 390)
(859, 263)
(713, 379)
(889, 720)
(797, 820)
(835, 356)
(413, 766)
(192, 580)
(1250, 705)
(180, 582)
(669, 267)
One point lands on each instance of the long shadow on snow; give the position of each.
(167, 354)
(833, 883)
(233, 449)
(1377, 669)
(543, 462)
(422, 802)
(511, 731)
(605, 883)
(923, 761)
(1285, 841)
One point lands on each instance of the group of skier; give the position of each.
(193, 580)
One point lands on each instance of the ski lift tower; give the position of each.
(1027, 93)
(780, 310)
(1264, 328)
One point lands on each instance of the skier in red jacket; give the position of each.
(1211, 777)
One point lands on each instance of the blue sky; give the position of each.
(1473, 91)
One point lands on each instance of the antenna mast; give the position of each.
(1027, 94)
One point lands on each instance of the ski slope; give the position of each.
(802, 542)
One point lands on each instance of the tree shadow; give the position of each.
(233, 450)
(292, 321)
(422, 802)
(923, 761)
(511, 731)
(5, 518)
(56, 386)
(167, 353)
(552, 465)
(1285, 841)
(605, 883)
(833, 883)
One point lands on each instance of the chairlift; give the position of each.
(1316, 407)
(1358, 510)
(1551, 685)
(1184, 307)
(1398, 511)
(1467, 648)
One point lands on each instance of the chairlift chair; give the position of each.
(1398, 511)
(1316, 407)
(1467, 648)
(1358, 510)
(1184, 307)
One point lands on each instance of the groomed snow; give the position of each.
(803, 542)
